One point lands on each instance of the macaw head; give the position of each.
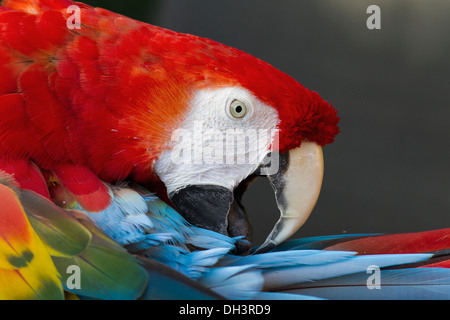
(206, 118)
(241, 118)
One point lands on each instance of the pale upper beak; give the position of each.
(297, 186)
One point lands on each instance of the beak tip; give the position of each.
(265, 247)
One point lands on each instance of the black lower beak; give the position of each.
(215, 208)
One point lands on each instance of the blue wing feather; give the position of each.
(297, 269)
(399, 284)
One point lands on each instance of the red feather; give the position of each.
(419, 242)
(26, 175)
(85, 186)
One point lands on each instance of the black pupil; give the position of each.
(238, 109)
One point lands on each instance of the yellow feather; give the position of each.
(26, 267)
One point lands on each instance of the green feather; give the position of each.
(62, 234)
(106, 270)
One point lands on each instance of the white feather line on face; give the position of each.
(212, 147)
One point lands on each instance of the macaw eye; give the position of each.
(238, 109)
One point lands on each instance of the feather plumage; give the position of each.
(200, 264)
(289, 271)
(98, 105)
(39, 242)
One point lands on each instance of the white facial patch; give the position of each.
(224, 138)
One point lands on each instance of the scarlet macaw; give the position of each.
(87, 114)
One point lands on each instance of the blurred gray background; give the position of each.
(389, 169)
